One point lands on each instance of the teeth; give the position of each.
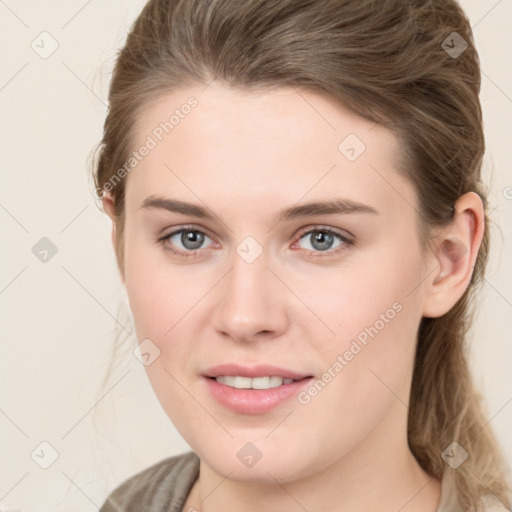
(248, 383)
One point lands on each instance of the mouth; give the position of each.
(254, 390)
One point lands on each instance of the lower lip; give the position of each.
(254, 401)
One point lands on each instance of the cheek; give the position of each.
(357, 300)
(374, 311)
(162, 302)
(367, 365)
(159, 293)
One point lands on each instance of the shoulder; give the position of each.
(450, 502)
(162, 487)
(494, 505)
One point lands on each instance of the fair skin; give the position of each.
(245, 156)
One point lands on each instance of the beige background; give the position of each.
(59, 318)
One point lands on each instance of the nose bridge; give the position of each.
(251, 298)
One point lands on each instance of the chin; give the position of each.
(262, 461)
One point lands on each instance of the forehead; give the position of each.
(277, 145)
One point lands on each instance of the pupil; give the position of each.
(324, 239)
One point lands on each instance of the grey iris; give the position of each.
(194, 238)
(323, 239)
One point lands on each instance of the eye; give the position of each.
(322, 240)
(188, 241)
(184, 241)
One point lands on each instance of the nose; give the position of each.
(252, 302)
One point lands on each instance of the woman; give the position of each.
(299, 221)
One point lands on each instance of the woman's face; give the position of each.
(333, 294)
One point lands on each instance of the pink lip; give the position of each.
(262, 370)
(254, 401)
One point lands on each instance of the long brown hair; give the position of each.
(410, 66)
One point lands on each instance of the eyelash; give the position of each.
(346, 242)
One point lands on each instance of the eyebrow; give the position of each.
(324, 207)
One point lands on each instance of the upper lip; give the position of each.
(261, 370)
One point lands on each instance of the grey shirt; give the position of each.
(164, 487)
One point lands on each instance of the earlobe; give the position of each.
(454, 257)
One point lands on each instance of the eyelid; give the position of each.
(321, 227)
(184, 227)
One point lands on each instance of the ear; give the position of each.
(454, 257)
(109, 208)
